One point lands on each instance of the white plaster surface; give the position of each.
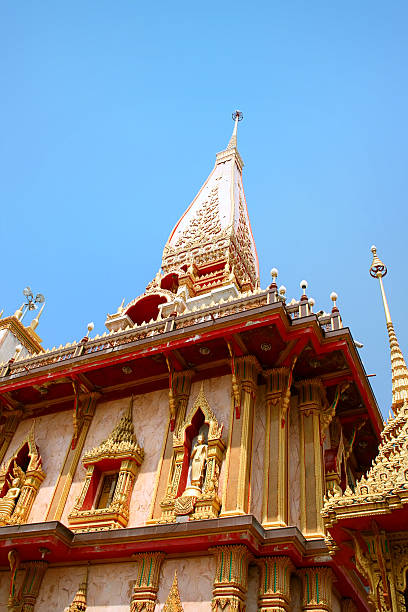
(53, 433)
(58, 587)
(195, 579)
(294, 465)
(150, 415)
(258, 453)
(295, 594)
(253, 588)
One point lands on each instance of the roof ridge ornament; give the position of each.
(398, 366)
(236, 117)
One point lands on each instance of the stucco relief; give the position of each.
(52, 449)
(294, 465)
(58, 587)
(150, 432)
(195, 581)
(258, 451)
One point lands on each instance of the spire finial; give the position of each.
(34, 322)
(398, 366)
(236, 116)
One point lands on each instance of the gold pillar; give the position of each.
(26, 599)
(236, 496)
(147, 583)
(231, 578)
(275, 492)
(274, 588)
(72, 457)
(311, 404)
(317, 589)
(179, 394)
(8, 431)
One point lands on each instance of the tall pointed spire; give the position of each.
(212, 245)
(398, 366)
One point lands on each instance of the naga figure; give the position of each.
(8, 502)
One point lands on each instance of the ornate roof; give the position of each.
(385, 486)
(216, 229)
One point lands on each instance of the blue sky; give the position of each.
(112, 113)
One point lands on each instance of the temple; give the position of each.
(218, 448)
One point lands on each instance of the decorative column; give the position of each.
(244, 386)
(317, 589)
(147, 583)
(311, 405)
(275, 492)
(72, 457)
(179, 394)
(7, 433)
(274, 588)
(231, 578)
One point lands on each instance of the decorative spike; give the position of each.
(35, 321)
(398, 365)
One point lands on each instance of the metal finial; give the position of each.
(90, 327)
(237, 116)
(378, 269)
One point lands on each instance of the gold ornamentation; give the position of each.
(147, 583)
(120, 449)
(173, 601)
(231, 578)
(274, 586)
(20, 487)
(25, 599)
(317, 588)
(79, 602)
(204, 496)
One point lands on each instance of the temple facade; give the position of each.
(202, 453)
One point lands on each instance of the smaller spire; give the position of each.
(34, 322)
(236, 116)
(19, 313)
(398, 366)
(79, 601)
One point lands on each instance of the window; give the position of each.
(107, 490)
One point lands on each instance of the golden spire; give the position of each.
(173, 602)
(19, 313)
(398, 366)
(35, 321)
(237, 116)
(79, 601)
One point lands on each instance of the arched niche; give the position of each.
(146, 309)
(204, 503)
(20, 479)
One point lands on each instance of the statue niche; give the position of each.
(20, 480)
(193, 481)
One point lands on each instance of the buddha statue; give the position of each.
(8, 502)
(198, 462)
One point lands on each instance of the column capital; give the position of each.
(317, 589)
(312, 394)
(274, 587)
(147, 581)
(231, 577)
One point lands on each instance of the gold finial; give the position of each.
(35, 321)
(398, 366)
(79, 601)
(19, 313)
(120, 308)
(236, 116)
(173, 602)
(1, 313)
